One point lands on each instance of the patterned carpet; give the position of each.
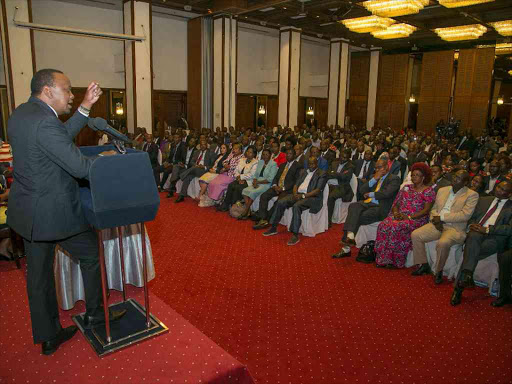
(294, 315)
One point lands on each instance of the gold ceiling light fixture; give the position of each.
(367, 24)
(510, 73)
(462, 3)
(392, 8)
(504, 28)
(499, 49)
(463, 32)
(395, 31)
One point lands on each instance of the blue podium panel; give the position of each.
(121, 190)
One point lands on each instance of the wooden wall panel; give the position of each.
(358, 92)
(435, 90)
(168, 108)
(194, 73)
(245, 111)
(321, 106)
(473, 88)
(391, 91)
(272, 111)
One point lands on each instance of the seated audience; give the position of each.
(339, 176)
(494, 177)
(214, 171)
(282, 186)
(475, 168)
(276, 154)
(204, 159)
(266, 170)
(452, 209)
(478, 185)
(489, 227)
(226, 176)
(184, 162)
(379, 193)
(326, 153)
(365, 167)
(244, 173)
(322, 163)
(409, 211)
(307, 194)
(398, 163)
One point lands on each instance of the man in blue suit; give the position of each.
(44, 202)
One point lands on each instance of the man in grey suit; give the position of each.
(44, 202)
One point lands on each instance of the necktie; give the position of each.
(369, 200)
(263, 170)
(199, 158)
(489, 213)
(366, 169)
(283, 175)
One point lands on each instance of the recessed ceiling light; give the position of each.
(318, 16)
(284, 7)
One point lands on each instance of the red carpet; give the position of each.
(183, 355)
(294, 315)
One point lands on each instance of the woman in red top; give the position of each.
(278, 156)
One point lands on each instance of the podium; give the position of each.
(121, 191)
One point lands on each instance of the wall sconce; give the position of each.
(310, 111)
(261, 110)
(500, 101)
(412, 99)
(119, 109)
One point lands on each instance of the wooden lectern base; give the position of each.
(132, 328)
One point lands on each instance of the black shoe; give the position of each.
(294, 240)
(49, 347)
(466, 279)
(379, 265)
(438, 279)
(501, 301)
(424, 269)
(456, 296)
(91, 322)
(179, 199)
(341, 254)
(261, 224)
(170, 194)
(270, 232)
(366, 260)
(348, 242)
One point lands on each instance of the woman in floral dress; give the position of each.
(410, 210)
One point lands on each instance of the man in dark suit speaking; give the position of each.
(44, 203)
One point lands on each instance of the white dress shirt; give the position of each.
(361, 173)
(449, 202)
(492, 220)
(189, 153)
(303, 188)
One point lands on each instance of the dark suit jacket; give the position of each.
(386, 194)
(209, 159)
(421, 157)
(44, 202)
(152, 150)
(399, 165)
(330, 156)
(441, 183)
(318, 180)
(343, 178)
(291, 176)
(488, 178)
(356, 156)
(502, 228)
(358, 164)
(178, 150)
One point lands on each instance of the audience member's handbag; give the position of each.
(237, 209)
(205, 201)
(367, 251)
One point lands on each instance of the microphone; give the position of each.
(100, 124)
